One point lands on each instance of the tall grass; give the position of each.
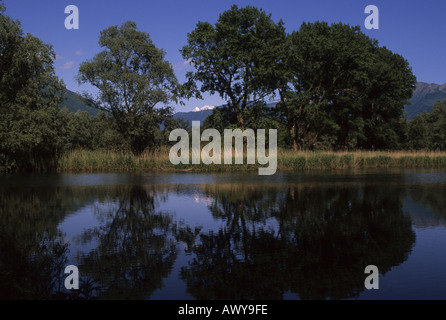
(289, 160)
(111, 161)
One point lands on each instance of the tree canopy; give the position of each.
(428, 130)
(337, 89)
(337, 81)
(235, 58)
(133, 78)
(29, 98)
(336, 85)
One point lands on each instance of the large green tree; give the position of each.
(133, 79)
(29, 98)
(338, 82)
(236, 58)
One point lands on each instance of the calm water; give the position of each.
(211, 236)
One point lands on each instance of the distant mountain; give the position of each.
(73, 102)
(424, 98)
(193, 116)
(199, 114)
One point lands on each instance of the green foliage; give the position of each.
(391, 85)
(132, 77)
(428, 130)
(339, 82)
(256, 116)
(29, 98)
(338, 90)
(236, 58)
(82, 131)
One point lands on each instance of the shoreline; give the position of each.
(104, 161)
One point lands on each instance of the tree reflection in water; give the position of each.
(309, 238)
(322, 240)
(33, 254)
(135, 250)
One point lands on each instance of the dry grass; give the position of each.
(109, 161)
(360, 159)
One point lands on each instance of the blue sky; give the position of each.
(414, 29)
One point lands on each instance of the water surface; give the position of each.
(224, 236)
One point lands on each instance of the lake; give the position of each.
(185, 236)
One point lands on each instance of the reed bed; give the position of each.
(326, 160)
(111, 161)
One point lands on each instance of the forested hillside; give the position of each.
(73, 102)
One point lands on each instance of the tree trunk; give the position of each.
(293, 138)
(240, 121)
(311, 140)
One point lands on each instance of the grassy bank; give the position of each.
(109, 161)
(360, 159)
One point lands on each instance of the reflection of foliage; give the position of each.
(36, 271)
(233, 203)
(221, 271)
(186, 235)
(313, 238)
(343, 230)
(135, 248)
(32, 252)
(324, 238)
(135, 252)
